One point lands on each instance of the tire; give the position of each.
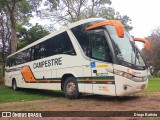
(71, 88)
(14, 85)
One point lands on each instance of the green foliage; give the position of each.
(2, 2)
(31, 35)
(22, 31)
(22, 43)
(18, 11)
(1, 70)
(36, 32)
(25, 10)
(110, 14)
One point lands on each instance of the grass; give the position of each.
(9, 95)
(153, 85)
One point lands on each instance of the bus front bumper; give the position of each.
(126, 87)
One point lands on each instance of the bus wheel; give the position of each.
(14, 85)
(71, 88)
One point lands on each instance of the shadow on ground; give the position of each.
(51, 93)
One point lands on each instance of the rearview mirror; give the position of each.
(147, 44)
(117, 25)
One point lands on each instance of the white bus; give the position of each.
(89, 56)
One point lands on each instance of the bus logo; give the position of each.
(93, 64)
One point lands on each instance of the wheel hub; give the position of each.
(71, 88)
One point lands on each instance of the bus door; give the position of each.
(101, 64)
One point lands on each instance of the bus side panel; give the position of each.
(8, 80)
(49, 86)
(104, 79)
(104, 89)
(23, 84)
(75, 71)
(15, 75)
(19, 79)
(42, 74)
(87, 74)
(29, 85)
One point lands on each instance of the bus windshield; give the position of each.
(126, 51)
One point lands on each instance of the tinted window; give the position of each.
(99, 46)
(62, 45)
(82, 36)
(42, 50)
(59, 44)
(26, 55)
(93, 42)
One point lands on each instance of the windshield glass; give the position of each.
(126, 51)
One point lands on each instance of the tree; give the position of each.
(28, 36)
(110, 14)
(152, 58)
(18, 11)
(13, 12)
(74, 10)
(5, 35)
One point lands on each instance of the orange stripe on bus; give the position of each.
(27, 74)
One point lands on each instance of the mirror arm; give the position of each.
(145, 41)
(118, 26)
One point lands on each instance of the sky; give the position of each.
(144, 14)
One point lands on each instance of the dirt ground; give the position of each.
(138, 102)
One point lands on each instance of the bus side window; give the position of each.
(27, 55)
(61, 44)
(66, 45)
(8, 62)
(13, 60)
(99, 46)
(83, 38)
(42, 50)
(32, 53)
(36, 49)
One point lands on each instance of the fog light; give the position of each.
(143, 86)
(125, 87)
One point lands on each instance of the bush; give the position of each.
(158, 74)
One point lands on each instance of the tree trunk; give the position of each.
(3, 56)
(11, 10)
(13, 35)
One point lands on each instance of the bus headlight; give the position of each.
(123, 74)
